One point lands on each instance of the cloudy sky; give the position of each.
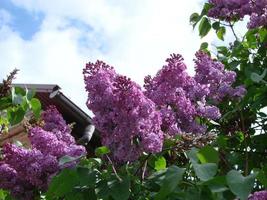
(50, 41)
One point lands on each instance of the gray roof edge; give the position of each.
(38, 87)
(49, 88)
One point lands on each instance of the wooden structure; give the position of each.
(52, 95)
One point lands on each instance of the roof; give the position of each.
(50, 94)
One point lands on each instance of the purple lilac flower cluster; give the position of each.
(54, 138)
(258, 16)
(236, 9)
(131, 120)
(183, 100)
(260, 195)
(229, 9)
(219, 81)
(127, 120)
(22, 170)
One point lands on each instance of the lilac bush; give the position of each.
(22, 171)
(173, 103)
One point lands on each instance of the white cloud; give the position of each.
(133, 36)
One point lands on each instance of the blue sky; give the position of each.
(50, 41)
(24, 22)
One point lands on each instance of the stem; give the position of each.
(142, 164)
(114, 169)
(144, 171)
(219, 22)
(232, 28)
(245, 141)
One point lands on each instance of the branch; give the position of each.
(142, 164)
(232, 28)
(144, 171)
(114, 169)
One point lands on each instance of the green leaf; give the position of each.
(221, 32)
(204, 27)
(208, 155)
(91, 162)
(234, 64)
(241, 186)
(262, 176)
(17, 99)
(160, 163)
(5, 102)
(15, 115)
(62, 184)
(255, 77)
(258, 78)
(36, 107)
(222, 50)
(173, 176)
(205, 9)
(120, 190)
(192, 155)
(66, 159)
(217, 184)
(100, 151)
(87, 177)
(30, 94)
(89, 194)
(263, 35)
(194, 19)
(20, 90)
(216, 25)
(222, 141)
(204, 45)
(74, 196)
(2, 194)
(206, 171)
(102, 189)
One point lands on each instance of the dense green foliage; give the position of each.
(15, 103)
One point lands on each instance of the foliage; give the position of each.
(15, 103)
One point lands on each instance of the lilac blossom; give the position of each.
(22, 170)
(55, 123)
(211, 72)
(48, 143)
(176, 94)
(183, 99)
(131, 121)
(260, 195)
(236, 9)
(31, 164)
(127, 120)
(20, 189)
(258, 16)
(229, 9)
